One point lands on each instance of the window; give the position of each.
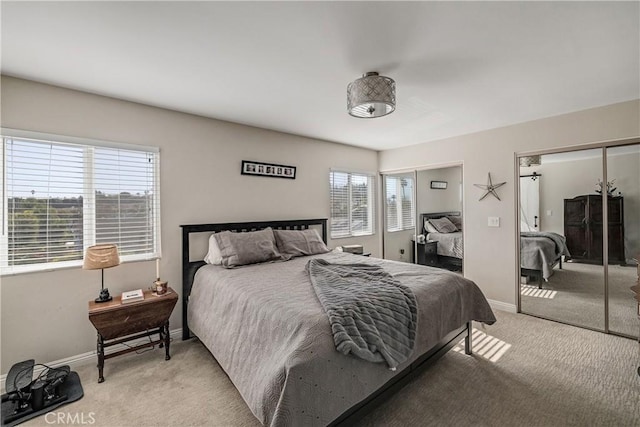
(352, 204)
(60, 197)
(399, 203)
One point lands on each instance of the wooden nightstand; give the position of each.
(428, 253)
(118, 323)
(431, 252)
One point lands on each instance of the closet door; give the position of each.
(399, 216)
(623, 227)
(568, 288)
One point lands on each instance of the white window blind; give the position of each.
(60, 198)
(352, 204)
(399, 203)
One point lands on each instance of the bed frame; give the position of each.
(356, 412)
(537, 274)
(448, 262)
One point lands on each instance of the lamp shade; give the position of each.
(371, 96)
(101, 256)
(527, 161)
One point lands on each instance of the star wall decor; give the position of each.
(490, 188)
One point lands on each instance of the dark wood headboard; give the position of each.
(189, 267)
(435, 215)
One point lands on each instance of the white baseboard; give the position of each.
(499, 305)
(88, 357)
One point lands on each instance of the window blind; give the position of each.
(399, 203)
(60, 198)
(352, 204)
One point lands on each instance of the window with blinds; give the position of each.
(399, 203)
(352, 204)
(60, 198)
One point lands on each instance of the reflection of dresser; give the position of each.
(583, 228)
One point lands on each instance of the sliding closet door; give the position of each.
(399, 216)
(556, 284)
(623, 226)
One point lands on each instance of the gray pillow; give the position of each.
(443, 225)
(429, 228)
(457, 221)
(300, 242)
(247, 248)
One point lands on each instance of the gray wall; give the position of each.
(44, 315)
(431, 200)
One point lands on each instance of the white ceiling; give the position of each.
(460, 67)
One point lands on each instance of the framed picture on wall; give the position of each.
(439, 185)
(267, 169)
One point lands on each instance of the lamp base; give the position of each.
(104, 296)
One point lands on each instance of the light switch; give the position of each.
(494, 221)
(549, 212)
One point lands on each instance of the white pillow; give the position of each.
(429, 227)
(214, 256)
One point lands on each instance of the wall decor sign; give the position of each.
(267, 169)
(439, 185)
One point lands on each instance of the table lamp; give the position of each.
(101, 257)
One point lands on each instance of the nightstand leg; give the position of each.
(167, 340)
(100, 351)
(161, 332)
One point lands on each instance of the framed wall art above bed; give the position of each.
(267, 169)
(438, 185)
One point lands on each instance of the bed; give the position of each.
(540, 253)
(450, 245)
(267, 330)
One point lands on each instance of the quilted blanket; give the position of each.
(372, 315)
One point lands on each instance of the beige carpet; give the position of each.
(547, 374)
(578, 297)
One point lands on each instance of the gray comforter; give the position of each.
(372, 315)
(449, 244)
(267, 330)
(539, 251)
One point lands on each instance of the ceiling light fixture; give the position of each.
(371, 96)
(527, 161)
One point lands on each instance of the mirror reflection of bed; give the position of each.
(440, 243)
(411, 200)
(439, 218)
(561, 229)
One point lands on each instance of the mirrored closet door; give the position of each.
(561, 272)
(623, 226)
(399, 216)
(423, 217)
(574, 214)
(439, 204)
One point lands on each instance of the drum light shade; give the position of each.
(527, 161)
(371, 96)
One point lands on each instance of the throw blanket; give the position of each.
(372, 315)
(560, 241)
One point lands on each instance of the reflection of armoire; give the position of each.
(583, 228)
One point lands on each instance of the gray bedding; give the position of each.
(266, 328)
(449, 244)
(372, 315)
(540, 250)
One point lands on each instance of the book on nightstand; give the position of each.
(132, 296)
